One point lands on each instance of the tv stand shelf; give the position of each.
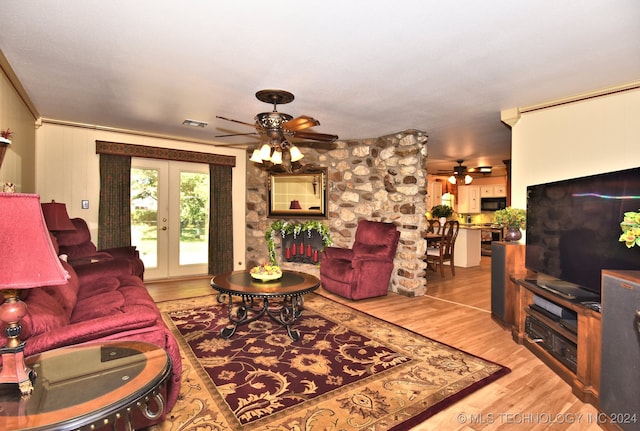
(584, 345)
(553, 324)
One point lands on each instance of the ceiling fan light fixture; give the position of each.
(460, 172)
(453, 179)
(272, 120)
(295, 153)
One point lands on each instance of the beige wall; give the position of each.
(67, 170)
(593, 136)
(18, 166)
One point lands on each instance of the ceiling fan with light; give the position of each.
(463, 175)
(280, 130)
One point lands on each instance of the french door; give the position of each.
(170, 216)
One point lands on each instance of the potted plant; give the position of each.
(5, 140)
(5, 136)
(441, 212)
(513, 219)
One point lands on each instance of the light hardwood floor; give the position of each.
(456, 311)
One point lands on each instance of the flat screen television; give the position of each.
(573, 227)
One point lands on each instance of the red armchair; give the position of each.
(80, 250)
(364, 270)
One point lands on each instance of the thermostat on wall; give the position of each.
(85, 204)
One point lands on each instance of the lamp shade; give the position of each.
(27, 256)
(295, 153)
(276, 157)
(255, 156)
(56, 216)
(265, 152)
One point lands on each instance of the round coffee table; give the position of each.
(281, 299)
(89, 386)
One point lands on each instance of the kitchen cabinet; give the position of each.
(493, 191)
(468, 199)
(434, 194)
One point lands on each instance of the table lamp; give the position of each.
(27, 260)
(56, 216)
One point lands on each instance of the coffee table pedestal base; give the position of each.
(285, 312)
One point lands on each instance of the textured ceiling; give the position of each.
(364, 69)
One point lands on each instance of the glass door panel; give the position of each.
(194, 218)
(170, 216)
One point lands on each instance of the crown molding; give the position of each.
(512, 115)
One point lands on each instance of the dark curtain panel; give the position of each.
(114, 215)
(220, 220)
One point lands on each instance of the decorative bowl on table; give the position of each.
(266, 272)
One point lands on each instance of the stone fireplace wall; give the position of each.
(381, 179)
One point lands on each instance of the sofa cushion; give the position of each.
(100, 305)
(99, 286)
(44, 313)
(75, 237)
(76, 243)
(65, 294)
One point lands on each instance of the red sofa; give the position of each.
(80, 250)
(101, 301)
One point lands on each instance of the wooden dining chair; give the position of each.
(443, 252)
(434, 226)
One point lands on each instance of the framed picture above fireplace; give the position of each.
(298, 195)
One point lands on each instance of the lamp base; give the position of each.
(14, 369)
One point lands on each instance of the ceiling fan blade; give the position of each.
(485, 170)
(317, 145)
(235, 134)
(245, 144)
(313, 136)
(301, 122)
(235, 121)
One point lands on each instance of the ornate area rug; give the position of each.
(348, 371)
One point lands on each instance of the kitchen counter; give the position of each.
(479, 226)
(467, 248)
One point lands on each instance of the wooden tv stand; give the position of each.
(585, 379)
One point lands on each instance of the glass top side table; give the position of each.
(88, 387)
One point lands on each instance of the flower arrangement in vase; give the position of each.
(630, 226)
(296, 229)
(513, 219)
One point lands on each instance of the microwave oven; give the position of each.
(493, 204)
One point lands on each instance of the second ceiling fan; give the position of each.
(463, 175)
